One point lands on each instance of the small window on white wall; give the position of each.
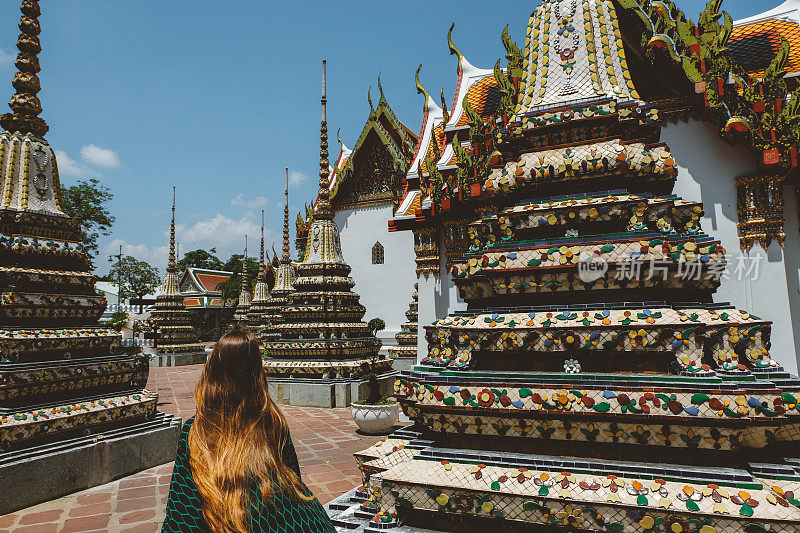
(377, 254)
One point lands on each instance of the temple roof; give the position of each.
(481, 90)
(468, 76)
(756, 40)
(382, 125)
(202, 281)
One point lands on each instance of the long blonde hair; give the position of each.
(238, 435)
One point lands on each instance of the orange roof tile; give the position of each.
(439, 137)
(483, 97)
(210, 281)
(754, 45)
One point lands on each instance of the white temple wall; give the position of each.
(386, 289)
(438, 297)
(764, 283)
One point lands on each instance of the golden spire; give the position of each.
(261, 255)
(323, 198)
(25, 105)
(262, 266)
(285, 258)
(172, 266)
(244, 266)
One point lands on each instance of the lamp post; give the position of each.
(119, 257)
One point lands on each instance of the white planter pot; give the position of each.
(375, 419)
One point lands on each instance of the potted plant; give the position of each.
(377, 414)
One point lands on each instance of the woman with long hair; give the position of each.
(236, 470)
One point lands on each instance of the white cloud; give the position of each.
(250, 203)
(220, 232)
(296, 178)
(99, 157)
(68, 166)
(157, 256)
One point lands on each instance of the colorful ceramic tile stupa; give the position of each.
(169, 317)
(65, 382)
(407, 337)
(241, 314)
(591, 384)
(260, 313)
(285, 276)
(322, 334)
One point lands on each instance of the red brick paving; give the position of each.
(325, 440)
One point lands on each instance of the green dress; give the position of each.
(283, 515)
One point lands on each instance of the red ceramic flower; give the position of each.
(486, 398)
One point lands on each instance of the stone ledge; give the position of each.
(34, 475)
(179, 359)
(328, 393)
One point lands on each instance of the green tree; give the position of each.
(231, 287)
(137, 278)
(201, 259)
(87, 202)
(118, 320)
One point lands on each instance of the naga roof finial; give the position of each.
(369, 99)
(444, 108)
(380, 87)
(453, 49)
(25, 105)
(420, 88)
(323, 197)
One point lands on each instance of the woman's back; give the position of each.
(285, 515)
(236, 469)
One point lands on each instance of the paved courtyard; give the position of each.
(325, 440)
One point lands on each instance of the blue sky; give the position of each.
(148, 94)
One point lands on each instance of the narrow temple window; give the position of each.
(377, 254)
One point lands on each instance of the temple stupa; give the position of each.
(72, 400)
(169, 317)
(406, 349)
(243, 304)
(591, 383)
(260, 313)
(285, 274)
(322, 335)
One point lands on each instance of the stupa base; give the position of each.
(179, 359)
(330, 369)
(348, 514)
(44, 472)
(326, 392)
(180, 348)
(413, 484)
